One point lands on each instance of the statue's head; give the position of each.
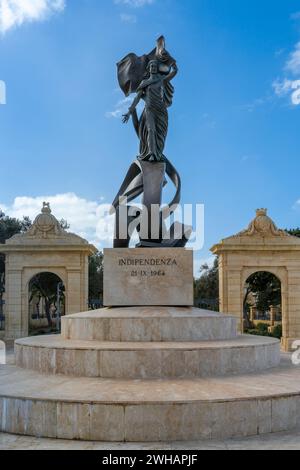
(153, 67)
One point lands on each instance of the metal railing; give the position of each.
(207, 304)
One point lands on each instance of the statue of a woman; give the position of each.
(157, 92)
(149, 77)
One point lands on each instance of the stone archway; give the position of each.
(262, 247)
(46, 303)
(263, 302)
(46, 247)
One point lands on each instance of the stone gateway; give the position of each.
(46, 247)
(261, 247)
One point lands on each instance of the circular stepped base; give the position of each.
(55, 355)
(152, 410)
(174, 352)
(149, 324)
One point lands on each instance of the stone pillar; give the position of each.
(13, 307)
(273, 311)
(253, 312)
(223, 301)
(85, 282)
(290, 312)
(235, 296)
(73, 291)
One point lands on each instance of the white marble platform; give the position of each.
(148, 324)
(55, 355)
(149, 410)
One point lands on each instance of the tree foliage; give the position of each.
(44, 285)
(266, 289)
(294, 231)
(96, 276)
(206, 288)
(10, 226)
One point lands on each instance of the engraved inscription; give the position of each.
(158, 263)
(148, 276)
(147, 262)
(148, 273)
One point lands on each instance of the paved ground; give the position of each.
(280, 441)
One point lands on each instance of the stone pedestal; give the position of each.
(148, 277)
(148, 373)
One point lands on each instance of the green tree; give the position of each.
(294, 231)
(11, 226)
(44, 285)
(266, 288)
(207, 286)
(96, 276)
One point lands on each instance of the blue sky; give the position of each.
(234, 125)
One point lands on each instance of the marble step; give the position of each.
(149, 410)
(55, 355)
(149, 324)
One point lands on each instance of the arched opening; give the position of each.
(2, 291)
(262, 305)
(46, 304)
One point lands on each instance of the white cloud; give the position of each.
(126, 18)
(293, 64)
(16, 12)
(89, 219)
(288, 87)
(296, 95)
(282, 87)
(135, 3)
(120, 108)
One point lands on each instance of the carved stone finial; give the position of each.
(261, 212)
(262, 225)
(46, 208)
(45, 223)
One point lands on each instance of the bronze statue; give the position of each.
(157, 92)
(150, 78)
